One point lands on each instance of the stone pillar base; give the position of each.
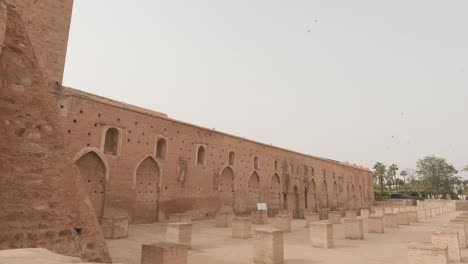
(427, 253)
(354, 228)
(164, 253)
(321, 235)
(268, 246)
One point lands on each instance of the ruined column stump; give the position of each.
(391, 220)
(460, 228)
(241, 227)
(268, 246)
(180, 218)
(224, 219)
(321, 234)
(421, 214)
(376, 224)
(334, 217)
(403, 218)
(179, 233)
(164, 253)
(427, 253)
(365, 212)
(259, 217)
(412, 216)
(354, 228)
(114, 227)
(448, 238)
(283, 222)
(351, 214)
(428, 213)
(311, 217)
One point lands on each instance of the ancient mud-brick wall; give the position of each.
(42, 200)
(153, 166)
(47, 23)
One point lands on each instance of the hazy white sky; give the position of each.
(359, 81)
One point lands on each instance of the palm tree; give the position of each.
(391, 173)
(403, 174)
(379, 173)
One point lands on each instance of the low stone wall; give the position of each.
(461, 205)
(395, 203)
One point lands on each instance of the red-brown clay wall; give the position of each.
(86, 119)
(42, 202)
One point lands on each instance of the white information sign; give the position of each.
(262, 207)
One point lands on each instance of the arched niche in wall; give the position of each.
(161, 148)
(312, 195)
(94, 172)
(226, 187)
(334, 196)
(275, 189)
(255, 162)
(111, 141)
(353, 198)
(324, 195)
(297, 201)
(146, 186)
(232, 158)
(254, 189)
(201, 155)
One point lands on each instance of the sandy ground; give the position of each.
(214, 245)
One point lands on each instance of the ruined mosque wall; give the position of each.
(194, 169)
(42, 200)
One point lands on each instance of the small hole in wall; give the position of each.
(95, 124)
(138, 141)
(88, 145)
(118, 119)
(136, 123)
(128, 140)
(165, 188)
(74, 120)
(99, 115)
(89, 133)
(77, 231)
(165, 129)
(69, 131)
(81, 111)
(151, 126)
(143, 133)
(129, 131)
(61, 106)
(178, 132)
(147, 143)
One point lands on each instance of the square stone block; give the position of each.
(412, 216)
(448, 238)
(224, 219)
(180, 218)
(460, 228)
(391, 220)
(427, 253)
(354, 228)
(164, 253)
(259, 217)
(311, 217)
(351, 214)
(334, 217)
(421, 214)
(378, 210)
(365, 212)
(241, 227)
(403, 218)
(465, 225)
(283, 222)
(114, 227)
(268, 246)
(180, 233)
(388, 210)
(321, 234)
(376, 224)
(395, 210)
(428, 213)
(433, 212)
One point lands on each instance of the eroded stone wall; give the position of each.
(42, 197)
(199, 170)
(47, 23)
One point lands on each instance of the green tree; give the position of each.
(379, 173)
(438, 175)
